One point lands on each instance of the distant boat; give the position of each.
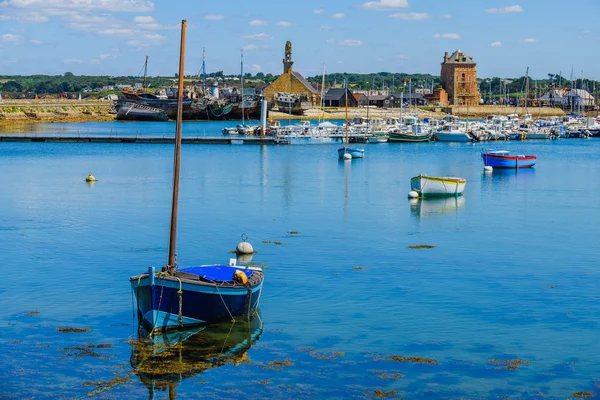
(400, 136)
(293, 103)
(455, 132)
(503, 159)
(378, 138)
(129, 111)
(432, 186)
(179, 298)
(354, 152)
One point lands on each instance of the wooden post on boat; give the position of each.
(176, 164)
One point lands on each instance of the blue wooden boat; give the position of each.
(177, 298)
(353, 151)
(503, 159)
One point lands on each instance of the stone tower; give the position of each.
(459, 79)
(287, 59)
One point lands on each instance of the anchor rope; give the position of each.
(224, 304)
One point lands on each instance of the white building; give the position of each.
(579, 97)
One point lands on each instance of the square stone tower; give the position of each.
(459, 79)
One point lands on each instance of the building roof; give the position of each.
(305, 82)
(584, 94)
(458, 57)
(377, 98)
(407, 96)
(334, 94)
(358, 96)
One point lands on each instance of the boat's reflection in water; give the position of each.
(431, 207)
(163, 360)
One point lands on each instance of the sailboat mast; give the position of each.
(322, 89)
(242, 80)
(526, 88)
(346, 96)
(203, 71)
(177, 162)
(145, 74)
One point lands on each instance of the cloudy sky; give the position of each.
(114, 36)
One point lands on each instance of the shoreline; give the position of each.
(25, 112)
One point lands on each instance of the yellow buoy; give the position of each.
(90, 178)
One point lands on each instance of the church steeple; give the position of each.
(287, 59)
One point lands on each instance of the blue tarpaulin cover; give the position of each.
(222, 273)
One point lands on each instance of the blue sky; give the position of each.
(113, 36)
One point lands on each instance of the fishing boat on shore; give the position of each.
(503, 159)
(434, 186)
(293, 103)
(129, 111)
(178, 298)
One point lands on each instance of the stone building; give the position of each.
(291, 82)
(459, 79)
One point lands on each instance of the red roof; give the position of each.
(358, 96)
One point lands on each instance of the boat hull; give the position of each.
(429, 186)
(354, 152)
(500, 161)
(409, 137)
(158, 301)
(452, 137)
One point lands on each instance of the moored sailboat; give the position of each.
(176, 298)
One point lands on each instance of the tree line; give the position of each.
(68, 83)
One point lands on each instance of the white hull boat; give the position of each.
(432, 186)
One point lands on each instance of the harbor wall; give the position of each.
(485, 110)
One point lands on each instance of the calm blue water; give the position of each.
(514, 274)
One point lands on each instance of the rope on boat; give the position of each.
(224, 304)
(180, 294)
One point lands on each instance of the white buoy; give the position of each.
(412, 194)
(347, 156)
(244, 247)
(488, 168)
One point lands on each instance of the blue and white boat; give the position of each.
(353, 151)
(178, 298)
(503, 159)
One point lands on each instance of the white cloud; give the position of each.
(400, 57)
(256, 68)
(94, 61)
(285, 24)
(411, 16)
(529, 40)
(4, 3)
(325, 28)
(106, 56)
(72, 61)
(144, 19)
(85, 5)
(147, 40)
(258, 22)
(116, 32)
(384, 4)
(505, 10)
(350, 42)
(33, 17)
(446, 16)
(496, 44)
(35, 41)
(214, 17)
(446, 36)
(318, 11)
(330, 41)
(258, 36)
(10, 38)
(250, 47)
(338, 15)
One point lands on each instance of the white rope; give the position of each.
(224, 304)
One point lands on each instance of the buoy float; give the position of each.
(347, 156)
(244, 247)
(90, 178)
(488, 168)
(412, 194)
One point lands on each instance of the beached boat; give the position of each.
(177, 298)
(129, 111)
(293, 103)
(503, 159)
(433, 186)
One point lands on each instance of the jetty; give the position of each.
(142, 139)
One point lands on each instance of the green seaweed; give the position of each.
(418, 360)
(511, 365)
(421, 246)
(278, 365)
(73, 330)
(33, 313)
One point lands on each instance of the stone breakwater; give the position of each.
(48, 111)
